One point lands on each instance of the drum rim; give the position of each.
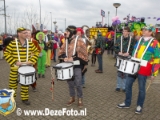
(26, 66)
(32, 73)
(65, 67)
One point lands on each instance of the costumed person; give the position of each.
(123, 47)
(80, 33)
(148, 52)
(61, 38)
(100, 47)
(7, 41)
(1, 47)
(42, 56)
(82, 56)
(93, 54)
(110, 42)
(55, 46)
(48, 48)
(19, 57)
(35, 42)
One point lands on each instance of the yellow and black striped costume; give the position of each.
(11, 57)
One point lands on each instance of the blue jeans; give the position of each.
(121, 81)
(142, 90)
(83, 79)
(100, 61)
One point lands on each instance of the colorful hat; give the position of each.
(21, 29)
(40, 33)
(80, 30)
(150, 27)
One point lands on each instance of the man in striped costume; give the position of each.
(11, 56)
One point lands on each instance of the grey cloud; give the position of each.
(85, 12)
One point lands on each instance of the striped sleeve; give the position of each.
(9, 55)
(35, 52)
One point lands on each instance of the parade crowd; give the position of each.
(40, 48)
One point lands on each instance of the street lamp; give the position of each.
(40, 14)
(108, 18)
(116, 5)
(51, 21)
(55, 25)
(5, 16)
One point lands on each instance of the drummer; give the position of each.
(82, 56)
(121, 77)
(11, 57)
(152, 56)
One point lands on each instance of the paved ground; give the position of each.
(100, 99)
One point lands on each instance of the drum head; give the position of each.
(64, 65)
(26, 69)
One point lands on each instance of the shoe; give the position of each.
(117, 89)
(39, 75)
(43, 76)
(138, 110)
(26, 102)
(84, 86)
(124, 90)
(98, 71)
(122, 106)
(80, 103)
(34, 89)
(71, 101)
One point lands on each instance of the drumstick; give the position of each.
(148, 86)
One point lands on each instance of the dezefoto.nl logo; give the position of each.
(48, 112)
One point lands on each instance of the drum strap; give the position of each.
(18, 50)
(74, 49)
(128, 44)
(145, 48)
(66, 47)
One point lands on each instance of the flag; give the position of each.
(133, 18)
(158, 19)
(124, 18)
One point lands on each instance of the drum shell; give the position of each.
(118, 62)
(129, 67)
(26, 77)
(64, 71)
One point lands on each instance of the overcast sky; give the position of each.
(80, 12)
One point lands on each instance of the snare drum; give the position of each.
(64, 71)
(26, 75)
(130, 66)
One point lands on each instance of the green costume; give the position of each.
(42, 60)
(42, 56)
